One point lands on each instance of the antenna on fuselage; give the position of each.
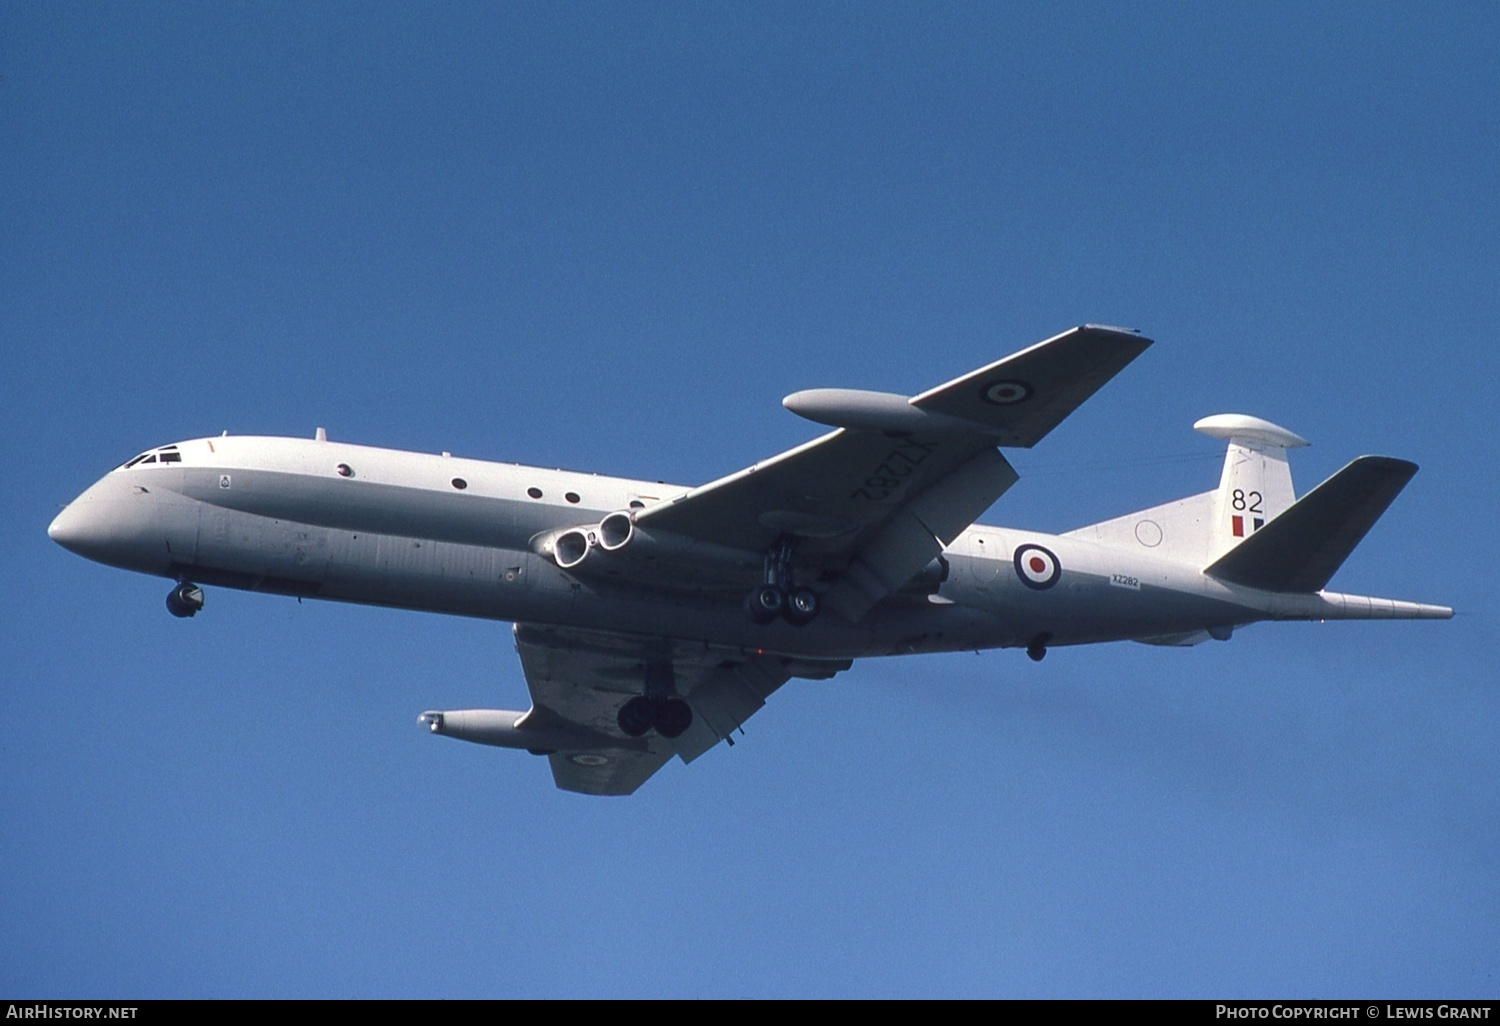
(320, 435)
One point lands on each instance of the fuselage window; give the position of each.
(460, 483)
(535, 493)
(571, 496)
(344, 470)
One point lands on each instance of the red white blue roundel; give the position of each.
(1037, 567)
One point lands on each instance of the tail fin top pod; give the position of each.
(1303, 547)
(1256, 485)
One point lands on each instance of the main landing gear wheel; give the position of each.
(779, 595)
(801, 606)
(765, 603)
(185, 599)
(670, 716)
(673, 717)
(636, 716)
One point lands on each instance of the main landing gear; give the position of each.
(670, 716)
(779, 595)
(659, 708)
(185, 599)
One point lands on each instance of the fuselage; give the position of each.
(351, 523)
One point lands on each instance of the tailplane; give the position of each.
(1302, 548)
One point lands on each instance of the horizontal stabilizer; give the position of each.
(1300, 549)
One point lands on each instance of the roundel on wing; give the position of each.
(1037, 567)
(1006, 393)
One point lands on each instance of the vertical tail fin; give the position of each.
(1256, 485)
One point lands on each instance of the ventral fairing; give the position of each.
(653, 620)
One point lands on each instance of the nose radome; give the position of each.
(101, 524)
(68, 529)
(119, 522)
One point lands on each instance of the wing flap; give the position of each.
(726, 699)
(917, 534)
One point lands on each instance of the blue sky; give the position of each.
(611, 237)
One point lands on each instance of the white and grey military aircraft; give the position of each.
(652, 620)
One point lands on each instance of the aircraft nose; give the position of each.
(111, 524)
(73, 528)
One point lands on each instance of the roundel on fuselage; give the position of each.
(1037, 567)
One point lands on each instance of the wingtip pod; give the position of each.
(871, 411)
(529, 731)
(1015, 401)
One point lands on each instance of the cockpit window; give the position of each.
(166, 454)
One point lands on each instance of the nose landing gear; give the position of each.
(185, 599)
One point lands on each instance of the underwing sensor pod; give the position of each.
(654, 620)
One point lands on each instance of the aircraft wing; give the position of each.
(872, 504)
(1024, 396)
(579, 679)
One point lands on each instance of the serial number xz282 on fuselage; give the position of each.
(652, 620)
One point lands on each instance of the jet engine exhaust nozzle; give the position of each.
(570, 548)
(615, 531)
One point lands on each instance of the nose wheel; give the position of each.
(185, 599)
